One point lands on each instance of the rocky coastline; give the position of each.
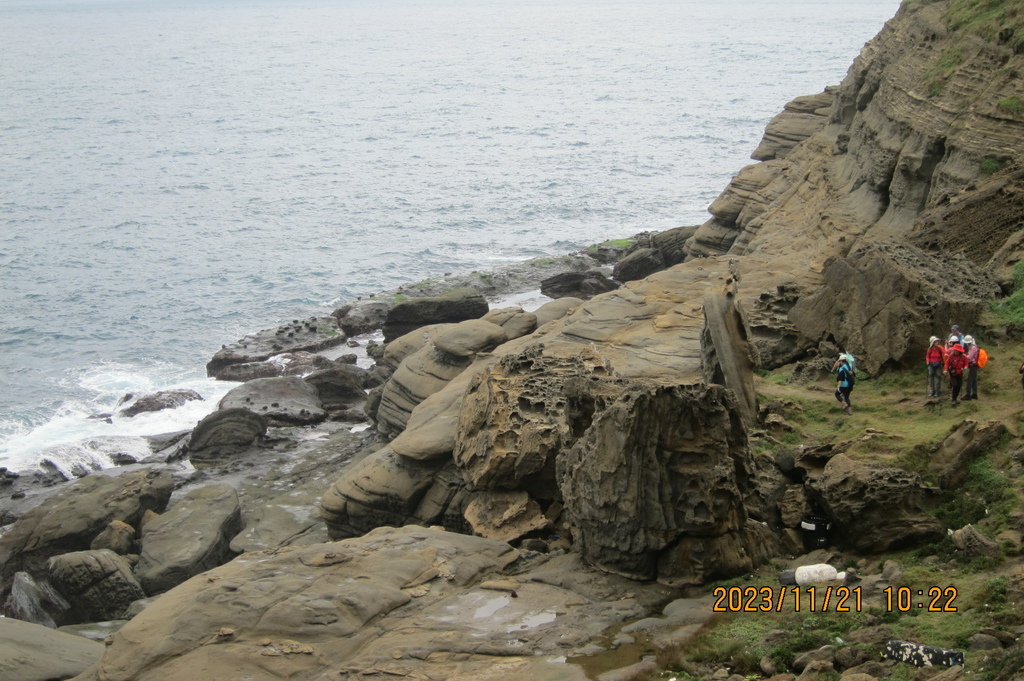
(560, 492)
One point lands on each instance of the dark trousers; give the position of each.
(934, 379)
(971, 388)
(955, 383)
(843, 395)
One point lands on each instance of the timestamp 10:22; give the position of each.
(934, 599)
(829, 599)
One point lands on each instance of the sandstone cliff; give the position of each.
(861, 225)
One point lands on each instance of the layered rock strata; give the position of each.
(408, 602)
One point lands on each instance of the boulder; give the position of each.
(340, 386)
(556, 309)
(504, 515)
(363, 316)
(309, 335)
(884, 300)
(577, 285)
(973, 543)
(71, 518)
(456, 305)
(118, 537)
(225, 432)
(98, 585)
(513, 320)
(875, 508)
(469, 338)
(653, 468)
(31, 652)
(432, 426)
(192, 537)
(35, 601)
(639, 264)
(285, 364)
(283, 401)
(165, 399)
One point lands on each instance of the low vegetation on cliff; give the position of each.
(894, 424)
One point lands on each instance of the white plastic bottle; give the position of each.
(811, 574)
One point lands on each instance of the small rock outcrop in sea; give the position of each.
(577, 285)
(285, 364)
(309, 335)
(165, 399)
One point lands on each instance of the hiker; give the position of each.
(955, 365)
(844, 382)
(971, 350)
(955, 331)
(1021, 372)
(935, 357)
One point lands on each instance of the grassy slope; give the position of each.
(891, 417)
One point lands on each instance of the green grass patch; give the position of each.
(611, 243)
(990, 165)
(997, 21)
(1012, 105)
(1012, 308)
(949, 61)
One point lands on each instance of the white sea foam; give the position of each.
(56, 438)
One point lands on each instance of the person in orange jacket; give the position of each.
(956, 364)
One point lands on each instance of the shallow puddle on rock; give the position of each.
(491, 607)
(531, 621)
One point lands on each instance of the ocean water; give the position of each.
(176, 173)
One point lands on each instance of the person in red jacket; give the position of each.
(956, 364)
(935, 357)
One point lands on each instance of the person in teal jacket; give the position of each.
(844, 383)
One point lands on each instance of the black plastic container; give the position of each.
(816, 528)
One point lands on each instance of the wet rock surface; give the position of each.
(309, 335)
(282, 401)
(165, 399)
